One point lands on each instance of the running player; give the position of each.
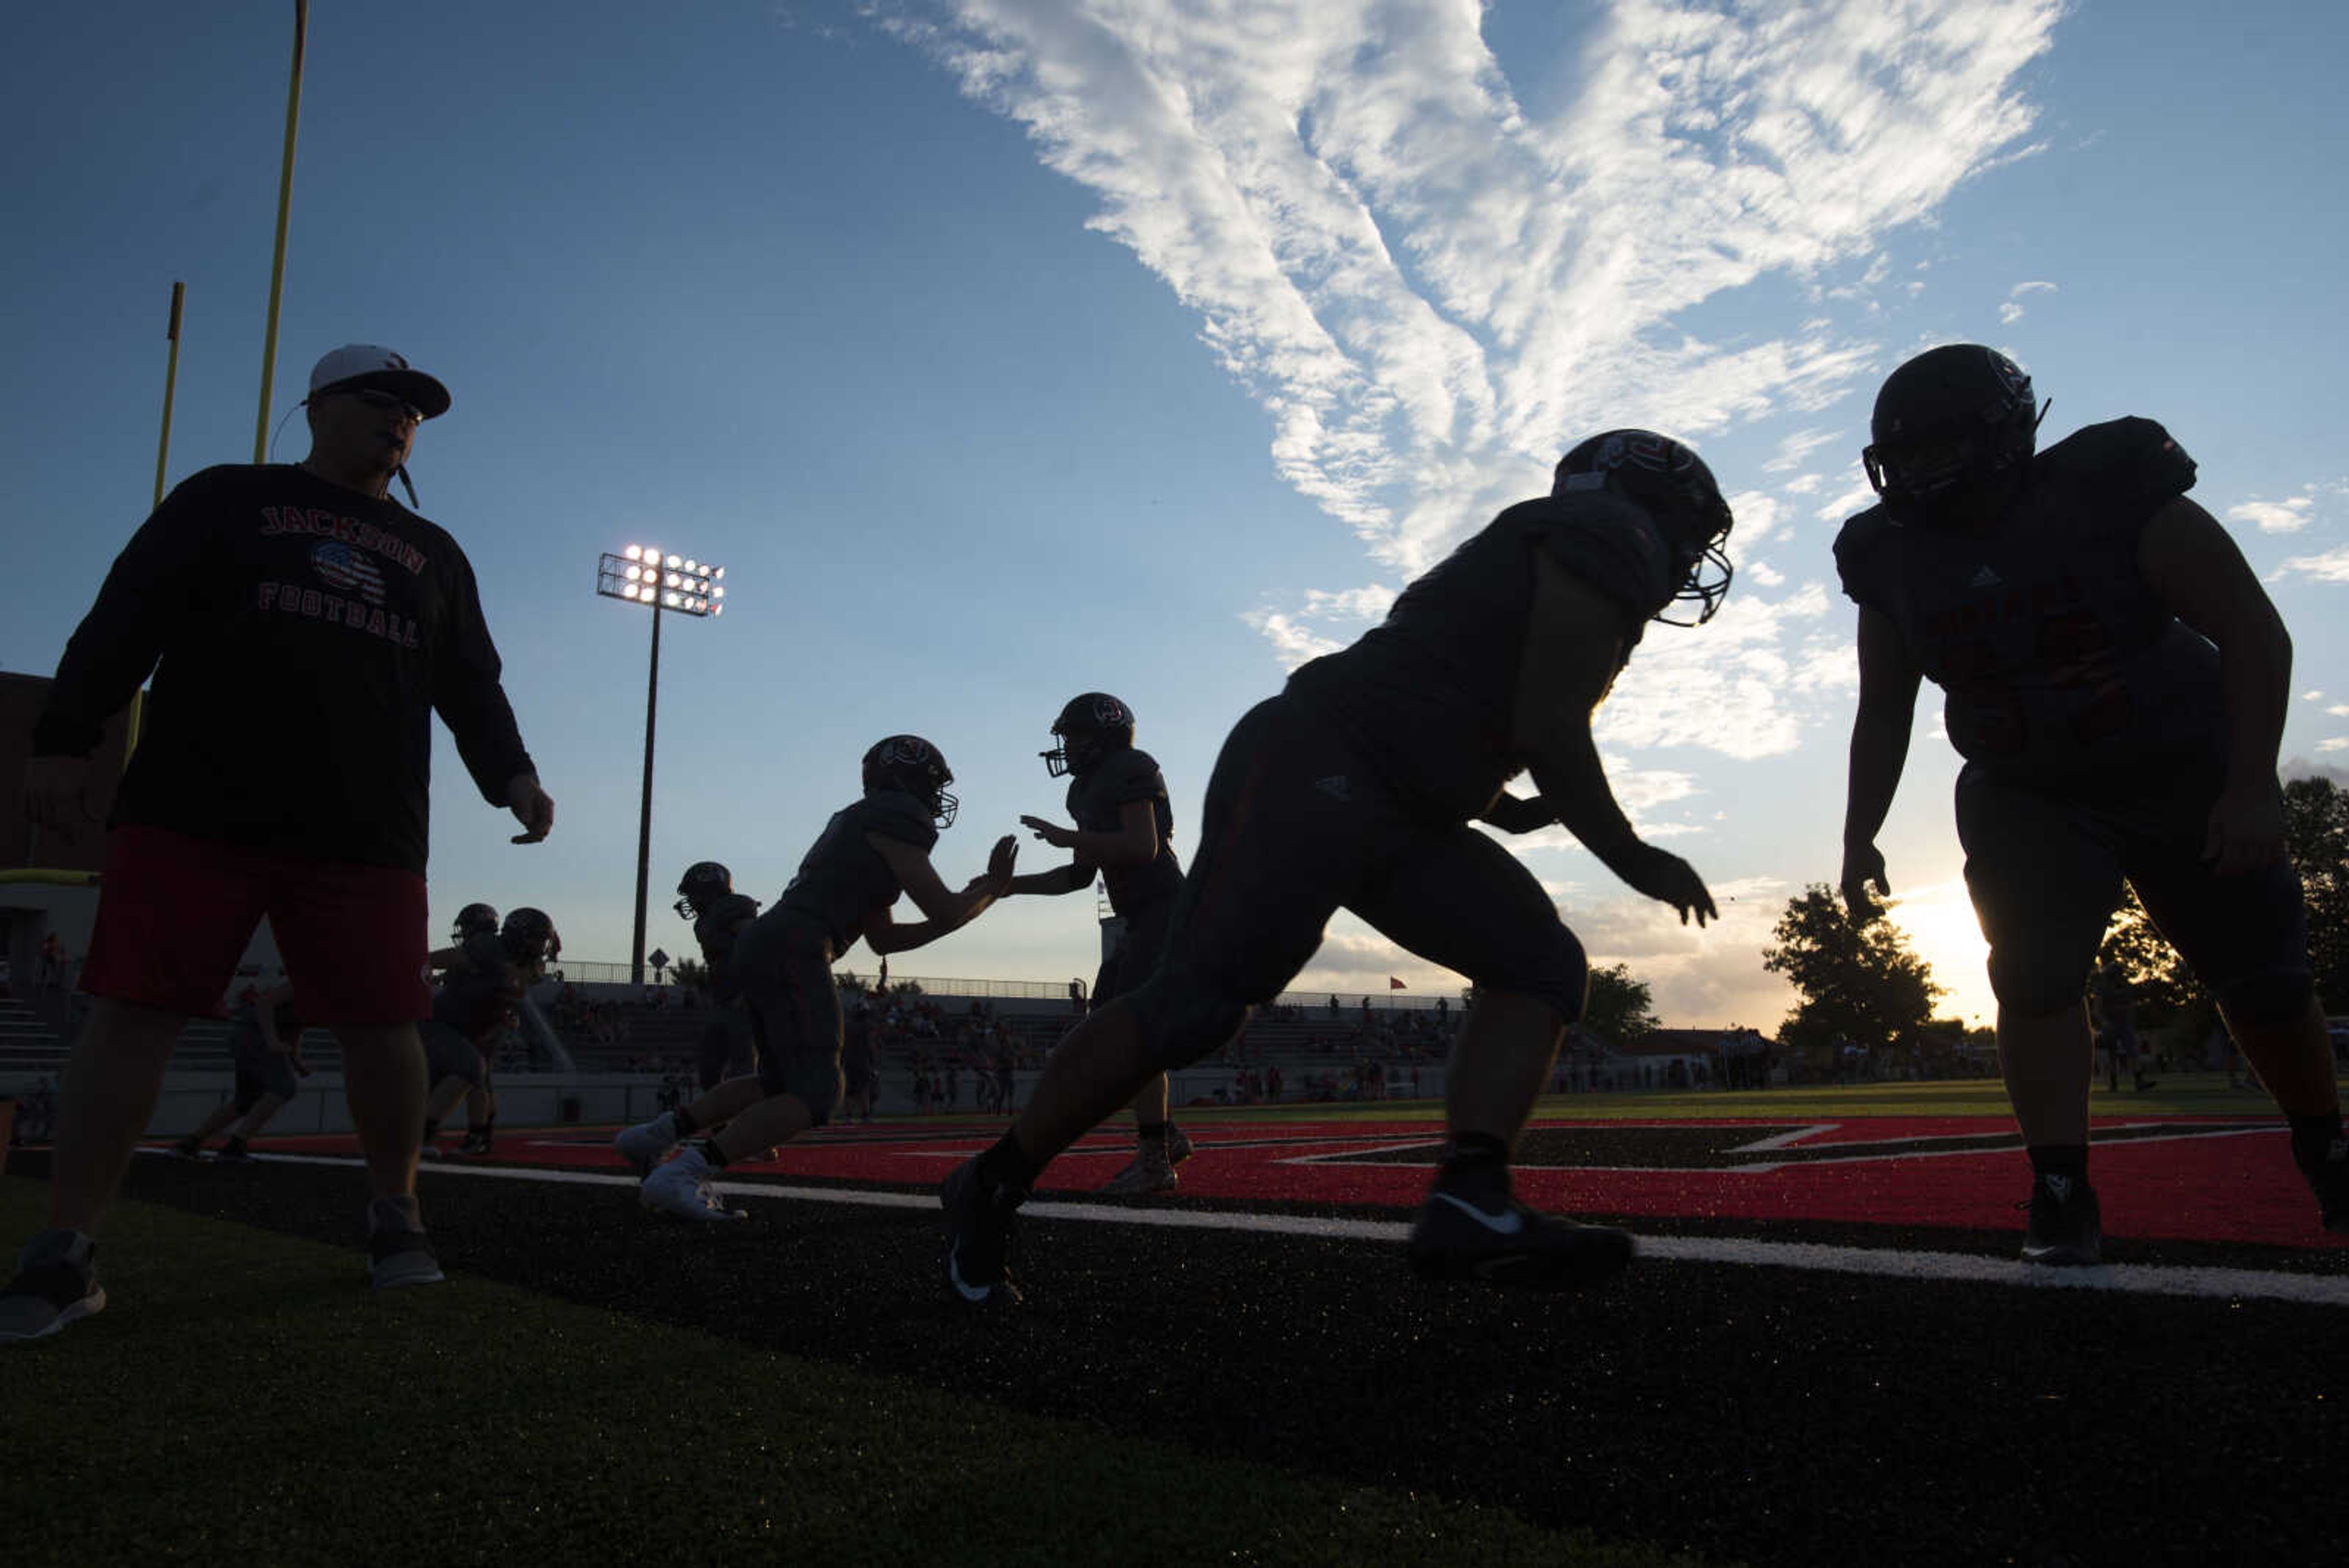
(868, 854)
(1354, 789)
(1125, 831)
(264, 1046)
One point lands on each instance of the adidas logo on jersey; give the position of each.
(1985, 578)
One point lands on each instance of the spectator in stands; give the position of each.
(869, 853)
(51, 973)
(1354, 789)
(306, 591)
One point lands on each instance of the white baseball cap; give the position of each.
(372, 365)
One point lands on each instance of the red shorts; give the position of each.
(175, 914)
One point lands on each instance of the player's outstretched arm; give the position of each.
(1577, 641)
(1889, 680)
(2193, 567)
(944, 911)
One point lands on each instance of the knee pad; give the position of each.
(1178, 1023)
(2267, 1001)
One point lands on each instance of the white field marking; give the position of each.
(1784, 1139)
(1880, 1262)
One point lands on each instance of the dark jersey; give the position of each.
(2057, 662)
(473, 1000)
(247, 1047)
(1428, 696)
(342, 620)
(843, 879)
(716, 930)
(1097, 802)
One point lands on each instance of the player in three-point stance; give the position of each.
(1354, 789)
(870, 852)
(264, 1046)
(484, 977)
(2116, 681)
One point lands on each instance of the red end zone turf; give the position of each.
(2171, 1178)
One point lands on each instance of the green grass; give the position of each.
(244, 1398)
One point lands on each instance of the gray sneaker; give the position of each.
(681, 1190)
(55, 1284)
(398, 1252)
(645, 1144)
(1152, 1171)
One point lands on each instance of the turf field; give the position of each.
(1825, 1355)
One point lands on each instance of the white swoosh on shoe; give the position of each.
(1507, 1222)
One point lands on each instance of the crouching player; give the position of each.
(264, 1046)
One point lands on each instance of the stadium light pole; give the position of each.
(644, 575)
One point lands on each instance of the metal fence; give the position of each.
(1312, 1004)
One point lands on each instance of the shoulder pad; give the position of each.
(1607, 542)
(1131, 775)
(485, 951)
(2127, 468)
(734, 906)
(893, 814)
(1860, 538)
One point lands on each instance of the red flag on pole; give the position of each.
(1394, 985)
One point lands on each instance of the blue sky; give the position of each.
(1008, 348)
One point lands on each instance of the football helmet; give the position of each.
(529, 937)
(1090, 727)
(475, 921)
(1952, 429)
(911, 763)
(704, 883)
(1671, 485)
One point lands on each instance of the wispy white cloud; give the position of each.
(2275, 516)
(1429, 290)
(2327, 567)
(2011, 311)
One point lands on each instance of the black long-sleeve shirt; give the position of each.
(301, 636)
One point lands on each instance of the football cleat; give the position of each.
(2065, 1228)
(2331, 1182)
(978, 1229)
(1151, 1171)
(1510, 1244)
(681, 1190)
(645, 1144)
(185, 1148)
(1178, 1145)
(234, 1152)
(55, 1284)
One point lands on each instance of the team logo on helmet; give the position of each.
(1667, 479)
(911, 763)
(1092, 725)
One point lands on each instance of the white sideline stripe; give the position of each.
(1965, 1268)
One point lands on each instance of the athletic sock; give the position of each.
(712, 1153)
(2313, 1138)
(682, 1123)
(1475, 1167)
(1006, 1164)
(2069, 1159)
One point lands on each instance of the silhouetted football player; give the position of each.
(870, 852)
(1125, 831)
(2116, 679)
(1354, 789)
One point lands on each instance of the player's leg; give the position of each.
(1160, 1146)
(264, 1109)
(2245, 937)
(2044, 875)
(1459, 899)
(173, 917)
(353, 938)
(229, 1110)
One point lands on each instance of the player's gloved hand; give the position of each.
(2245, 829)
(1863, 863)
(1668, 880)
(1000, 863)
(532, 806)
(1051, 833)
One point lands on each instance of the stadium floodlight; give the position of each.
(642, 575)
